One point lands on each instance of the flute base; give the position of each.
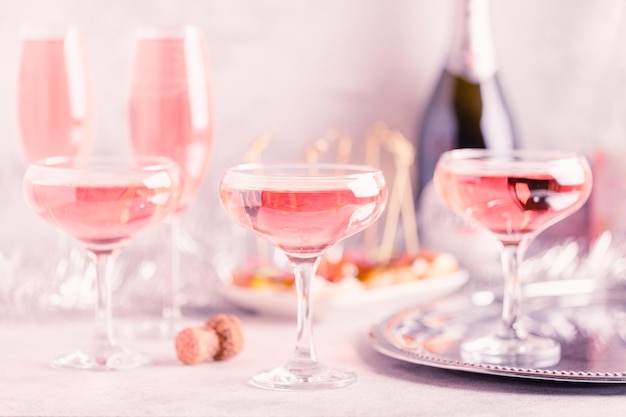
(310, 378)
(153, 328)
(102, 358)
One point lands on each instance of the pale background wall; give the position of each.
(299, 67)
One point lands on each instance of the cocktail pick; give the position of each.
(401, 196)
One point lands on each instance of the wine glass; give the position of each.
(56, 117)
(303, 209)
(514, 195)
(171, 114)
(103, 203)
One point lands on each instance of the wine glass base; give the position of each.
(529, 352)
(153, 329)
(318, 377)
(102, 358)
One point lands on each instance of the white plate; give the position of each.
(333, 299)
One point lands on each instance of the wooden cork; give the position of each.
(195, 345)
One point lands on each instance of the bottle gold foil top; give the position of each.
(472, 53)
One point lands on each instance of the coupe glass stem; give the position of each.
(304, 354)
(104, 261)
(512, 255)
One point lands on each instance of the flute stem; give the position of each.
(171, 310)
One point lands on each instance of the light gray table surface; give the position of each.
(386, 386)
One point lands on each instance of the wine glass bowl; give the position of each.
(303, 209)
(170, 107)
(515, 195)
(56, 115)
(103, 203)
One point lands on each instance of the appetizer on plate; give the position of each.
(366, 273)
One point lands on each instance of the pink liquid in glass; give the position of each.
(106, 211)
(303, 221)
(513, 204)
(55, 103)
(170, 108)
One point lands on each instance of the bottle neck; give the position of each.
(471, 54)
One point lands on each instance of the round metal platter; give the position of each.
(590, 327)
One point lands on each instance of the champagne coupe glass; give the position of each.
(103, 203)
(303, 210)
(171, 114)
(515, 195)
(56, 117)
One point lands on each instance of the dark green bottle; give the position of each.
(467, 108)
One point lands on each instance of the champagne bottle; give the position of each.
(467, 108)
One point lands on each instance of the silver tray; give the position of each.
(590, 327)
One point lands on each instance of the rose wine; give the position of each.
(170, 109)
(304, 221)
(102, 211)
(55, 103)
(513, 203)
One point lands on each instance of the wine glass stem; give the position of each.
(171, 311)
(304, 270)
(511, 255)
(103, 261)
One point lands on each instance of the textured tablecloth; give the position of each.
(386, 386)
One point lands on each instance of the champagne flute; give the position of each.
(56, 117)
(171, 114)
(303, 210)
(514, 195)
(103, 203)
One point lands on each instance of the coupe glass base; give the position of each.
(530, 352)
(318, 377)
(99, 358)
